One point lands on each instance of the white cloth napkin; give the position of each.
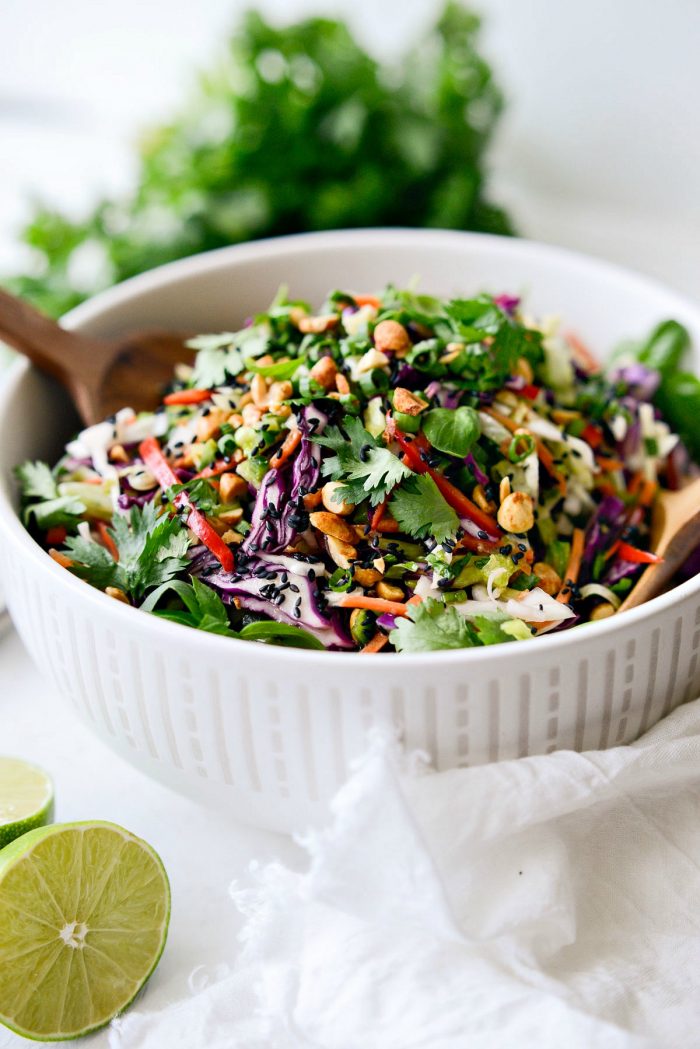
(549, 901)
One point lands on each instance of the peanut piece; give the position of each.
(117, 594)
(208, 425)
(389, 592)
(408, 403)
(279, 392)
(317, 325)
(331, 524)
(392, 336)
(549, 579)
(516, 513)
(340, 553)
(324, 372)
(602, 611)
(232, 487)
(332, 502)
(258, 390)
(367, 576)
(371, 360)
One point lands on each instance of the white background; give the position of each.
(600, 150)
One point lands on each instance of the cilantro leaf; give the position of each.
(218, 360)
(490, 629)
(422, 510)
(36, 480)
(50, 509)
(453, 431)
(431, 626)
(368, 469)
(151, 552)
(92, 562)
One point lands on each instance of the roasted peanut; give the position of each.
(232, 487)
(332, 502)
(324, 372)
(371, 360)
(317, 325)
(251, 415)
(208, 425)
(481, 500)
(258, 390)
(340, 553)
(549, 579)
(407, 402)
(279, 392)
(602, 611)
(392, 336)
(117, 454)
(367, 576)
(389, 592)
(504, 488)
(516, 513)
(331, 524)
(117, 594)
(341, 384)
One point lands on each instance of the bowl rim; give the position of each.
(89, 313)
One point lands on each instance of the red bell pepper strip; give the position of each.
(161, 469)
(459, 502)
(592, 435)
(187, 397)
(637, 557)
(56, 535)
(529, 390)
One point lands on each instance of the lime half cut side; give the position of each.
(26, 798)
(84, 911)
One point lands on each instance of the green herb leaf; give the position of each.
(421, 509)
(280, 634)
(151, 552)
(368, 469)
(432, 626)
(453, 431)
(44, 504)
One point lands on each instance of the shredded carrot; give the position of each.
(106, 540)
(543, 453)
(92, 480)
(187, 397)
(376, 644)
(388, 524)
(574, 566)
(374, 604)
(291, 443)
(415, 600)
(60, 559)
(367, 300)
(609, 465)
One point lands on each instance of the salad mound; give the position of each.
(391, 473)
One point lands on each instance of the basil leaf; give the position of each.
(452, 430)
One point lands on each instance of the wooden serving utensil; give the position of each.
(101, 375)
(675, 533)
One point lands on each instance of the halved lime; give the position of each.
(26, 798)
(84, 911)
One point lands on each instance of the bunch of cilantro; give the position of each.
(297, 128)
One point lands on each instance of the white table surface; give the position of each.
(69, 143)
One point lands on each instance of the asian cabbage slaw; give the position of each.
(391, 473)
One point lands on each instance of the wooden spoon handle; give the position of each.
(61, 353)
(656, 578)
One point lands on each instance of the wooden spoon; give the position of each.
(101, 375)
(675, 533)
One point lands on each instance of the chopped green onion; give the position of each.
(522, 445)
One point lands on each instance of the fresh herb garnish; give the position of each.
(422, 510)
(367, 469)
(431, 625)
(453, 431)
(43, 502)
(151, 552)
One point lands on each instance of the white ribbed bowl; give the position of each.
(269, 732)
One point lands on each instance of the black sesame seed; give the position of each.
(482, 535)
(311, 575)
